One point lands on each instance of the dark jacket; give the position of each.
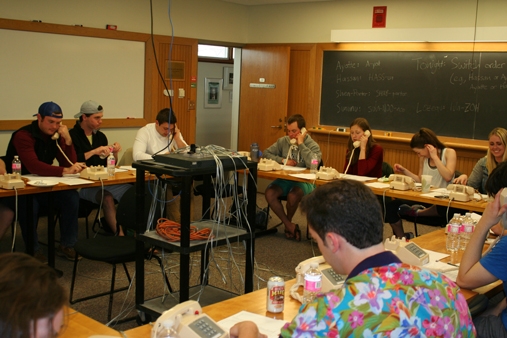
(82, 145)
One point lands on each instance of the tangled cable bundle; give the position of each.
(171, 231)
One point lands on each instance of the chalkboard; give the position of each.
(459, 94)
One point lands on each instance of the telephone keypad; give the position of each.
(417, 251)
(333, 276)
(206, 328)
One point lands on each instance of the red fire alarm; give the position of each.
(379, 17)
(111, 27)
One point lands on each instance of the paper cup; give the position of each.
(426, 183)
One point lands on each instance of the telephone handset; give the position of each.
(358, 143)
(401, 182)
(188, 320)
(55, 136)
(330, 279)
(303, 132)
(461, 193)
(407, 252)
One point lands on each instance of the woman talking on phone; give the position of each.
(364, 156)
(435, 160)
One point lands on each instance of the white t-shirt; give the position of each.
(148, 142)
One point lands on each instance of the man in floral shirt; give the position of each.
(381, 297)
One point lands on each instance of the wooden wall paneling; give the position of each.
(263, 110)
(183, 50)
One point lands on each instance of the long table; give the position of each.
(255, 302)
(30, 191)
(416, 196)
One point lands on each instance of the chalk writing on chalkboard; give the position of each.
(460, 94)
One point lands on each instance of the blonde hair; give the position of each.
(490, 159)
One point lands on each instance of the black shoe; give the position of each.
(408, 235)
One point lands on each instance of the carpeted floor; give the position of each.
(274, 255)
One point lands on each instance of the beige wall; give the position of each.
(217, 20)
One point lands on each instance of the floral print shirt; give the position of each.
(394, 300)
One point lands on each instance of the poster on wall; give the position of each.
(213, 93)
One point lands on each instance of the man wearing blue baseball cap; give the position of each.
(38, 145)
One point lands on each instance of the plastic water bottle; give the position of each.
(16, 165)
(314, 164)
(167, 330)
(111, 164)
(254, 152)
(452, 243)
(467, 228)
(313, 283)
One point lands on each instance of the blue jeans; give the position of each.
(66, 203)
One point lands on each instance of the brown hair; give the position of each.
(29, 291)
(425, 136)
(364, 125)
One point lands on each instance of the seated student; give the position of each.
(476, 269)
(368, 159)
(381, 296)
(92, 147)
(33, 299)
(37, 150)
(497, 140)
(298, 153)
(435, 160)
(161, 137)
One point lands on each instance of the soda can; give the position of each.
(275, 294)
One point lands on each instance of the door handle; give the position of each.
(278, 127)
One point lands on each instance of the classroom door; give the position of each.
(263, 105)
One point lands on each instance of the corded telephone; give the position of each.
(303, 132)
(95, 173)
(11, 181)
(330, 279)
(401, 182)
(407, 252)
(327, 173)
(461, 193)
(267, 165)
(55, 136)
(356, 144)
(188, 320)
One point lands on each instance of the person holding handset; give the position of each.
(436, 160)
(296, 150)
(364, 156)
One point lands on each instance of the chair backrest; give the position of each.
(387, 169)
(127, 208)
(127, 158)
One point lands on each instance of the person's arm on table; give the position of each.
(471, 272)
(246, 329)
(398, 168)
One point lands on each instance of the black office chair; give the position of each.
(115, 250)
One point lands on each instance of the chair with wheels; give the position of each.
(114, 250)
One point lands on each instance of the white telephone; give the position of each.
(267, 165)
(327, 173)
(401, 182)
(330, 279)
(188, 320)
(55, 136)
(358, 143)
(11, 181)
(95, 173)
(461, 193)
(303, 132)
(407, 252)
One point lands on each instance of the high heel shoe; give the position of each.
(296, 235)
